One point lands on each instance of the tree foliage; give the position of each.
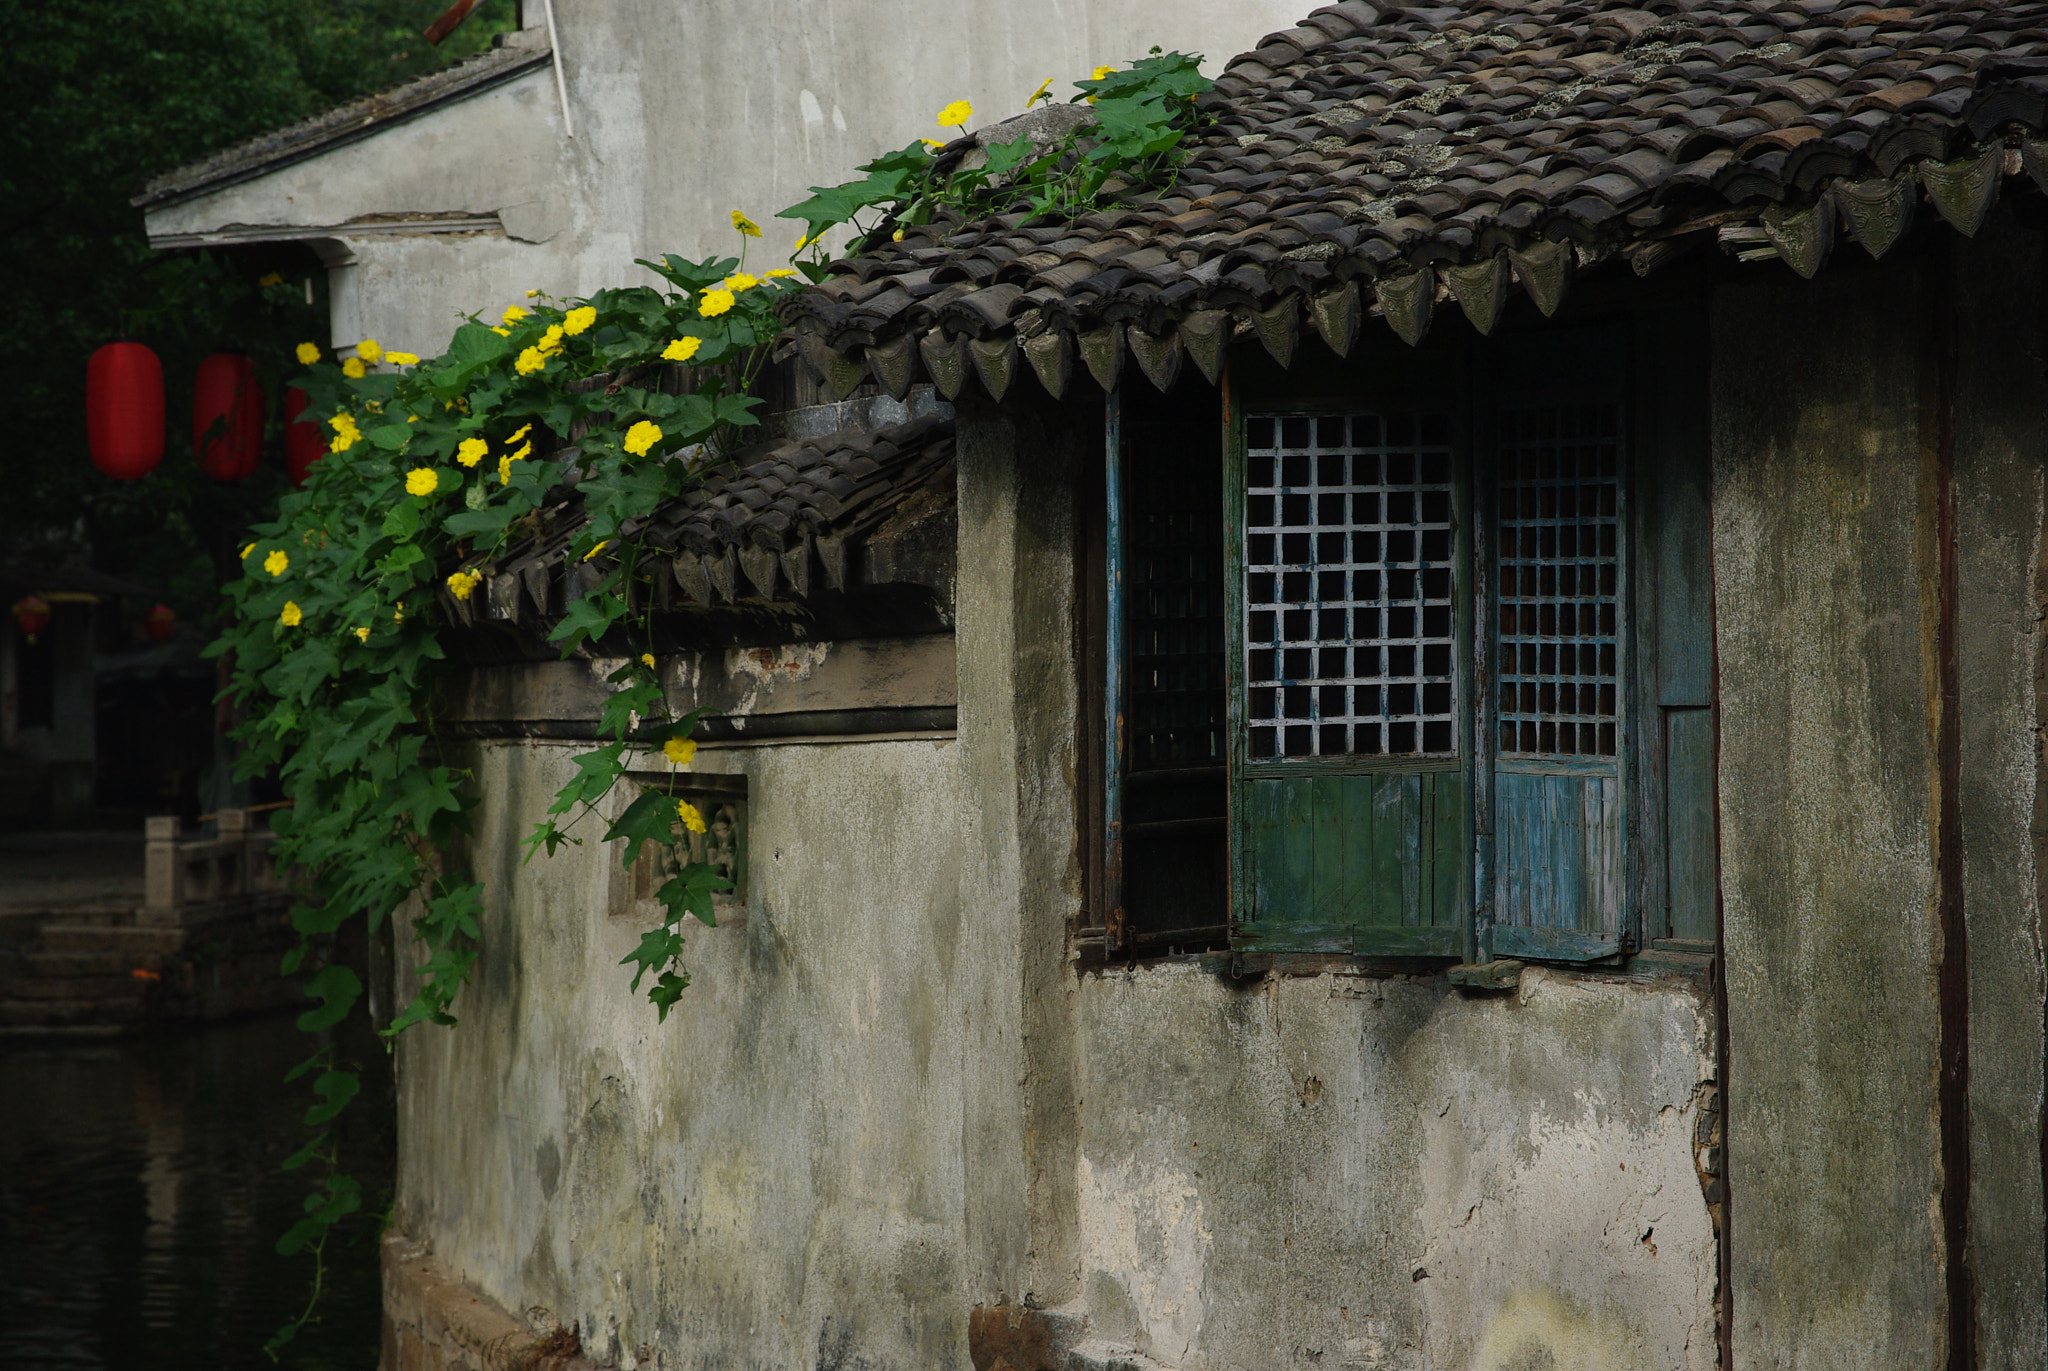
(96, 100)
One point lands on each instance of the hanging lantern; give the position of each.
(303, 444)
(32, 614)
(227, 417)
(160, 623)
(124, 410)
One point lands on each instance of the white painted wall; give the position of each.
(682, 112)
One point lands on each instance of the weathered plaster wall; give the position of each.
(1345, 1170)
(681, 113)
(1824, 553)
(2000, 400)
(773, 1172)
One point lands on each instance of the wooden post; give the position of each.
(160, 863)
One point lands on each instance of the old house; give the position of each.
(1421, 754)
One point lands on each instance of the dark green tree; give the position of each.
(96, 100)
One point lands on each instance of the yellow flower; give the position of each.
(308, 354)
(641, 437)
(599, 548)
(783, 271)
(1044, 89)
(679, 750)
(683, 349)
(402, 359)
(1100, 72)
(551, 341)
(578, 319)
(354, 369)
(363, 635)
(501, 332)
(463, 583)
(531, 293)
(740, 281)
(369, 350)
(688, 813)
(290, 616)
(897, 236)
(747, 227)
(247, 550)
(412, 418)
(505, 470)
(277, 562)
(529, 362)
(647, 660)
(800, 241)
(956, 115)
(933, 143)
(274, 279)
(422, 481)
(525, 449)
(715, 302)
(513, 314)
(471, 451)
(522, 432)
(344, 441)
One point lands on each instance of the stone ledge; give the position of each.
(433, 1322)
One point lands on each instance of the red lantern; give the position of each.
(124, 410)
(227, 417)
(32, 613)
(160, 623)
(303, 443)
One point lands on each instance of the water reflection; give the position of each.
(140, 1202)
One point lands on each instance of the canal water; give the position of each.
(141, 1202)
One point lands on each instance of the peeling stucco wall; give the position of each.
(776, 1166)
(1375, 1172)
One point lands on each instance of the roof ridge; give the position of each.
(510, 54)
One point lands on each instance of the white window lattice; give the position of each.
(1560, 581)
(1349, 524)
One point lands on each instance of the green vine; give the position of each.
(1133, 139)
(439, 466)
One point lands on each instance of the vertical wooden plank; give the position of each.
(1386, 848)
(1685, 647)
(1448, 847)
(1116, 648)
(1690, 824)
(1508, 850)
(1333, 898)
(1260, 850)
(1358, 821)
(1295, 844)
(1412, 814)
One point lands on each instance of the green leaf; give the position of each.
(337, 988)
(488, 522)
(335, 1089)
(650, 818)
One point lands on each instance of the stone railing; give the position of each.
(180, 874)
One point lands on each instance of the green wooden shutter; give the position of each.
(1348, 749)
(1560, 651)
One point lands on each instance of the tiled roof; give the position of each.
(784, 519)
(510, 55)
(1383, 160)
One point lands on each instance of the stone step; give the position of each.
(101, 938)
(122, 986)
(16, 1013)
(117, 962)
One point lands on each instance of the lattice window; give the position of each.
(1560, 581)
(1349, 523)
(1176, 616)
